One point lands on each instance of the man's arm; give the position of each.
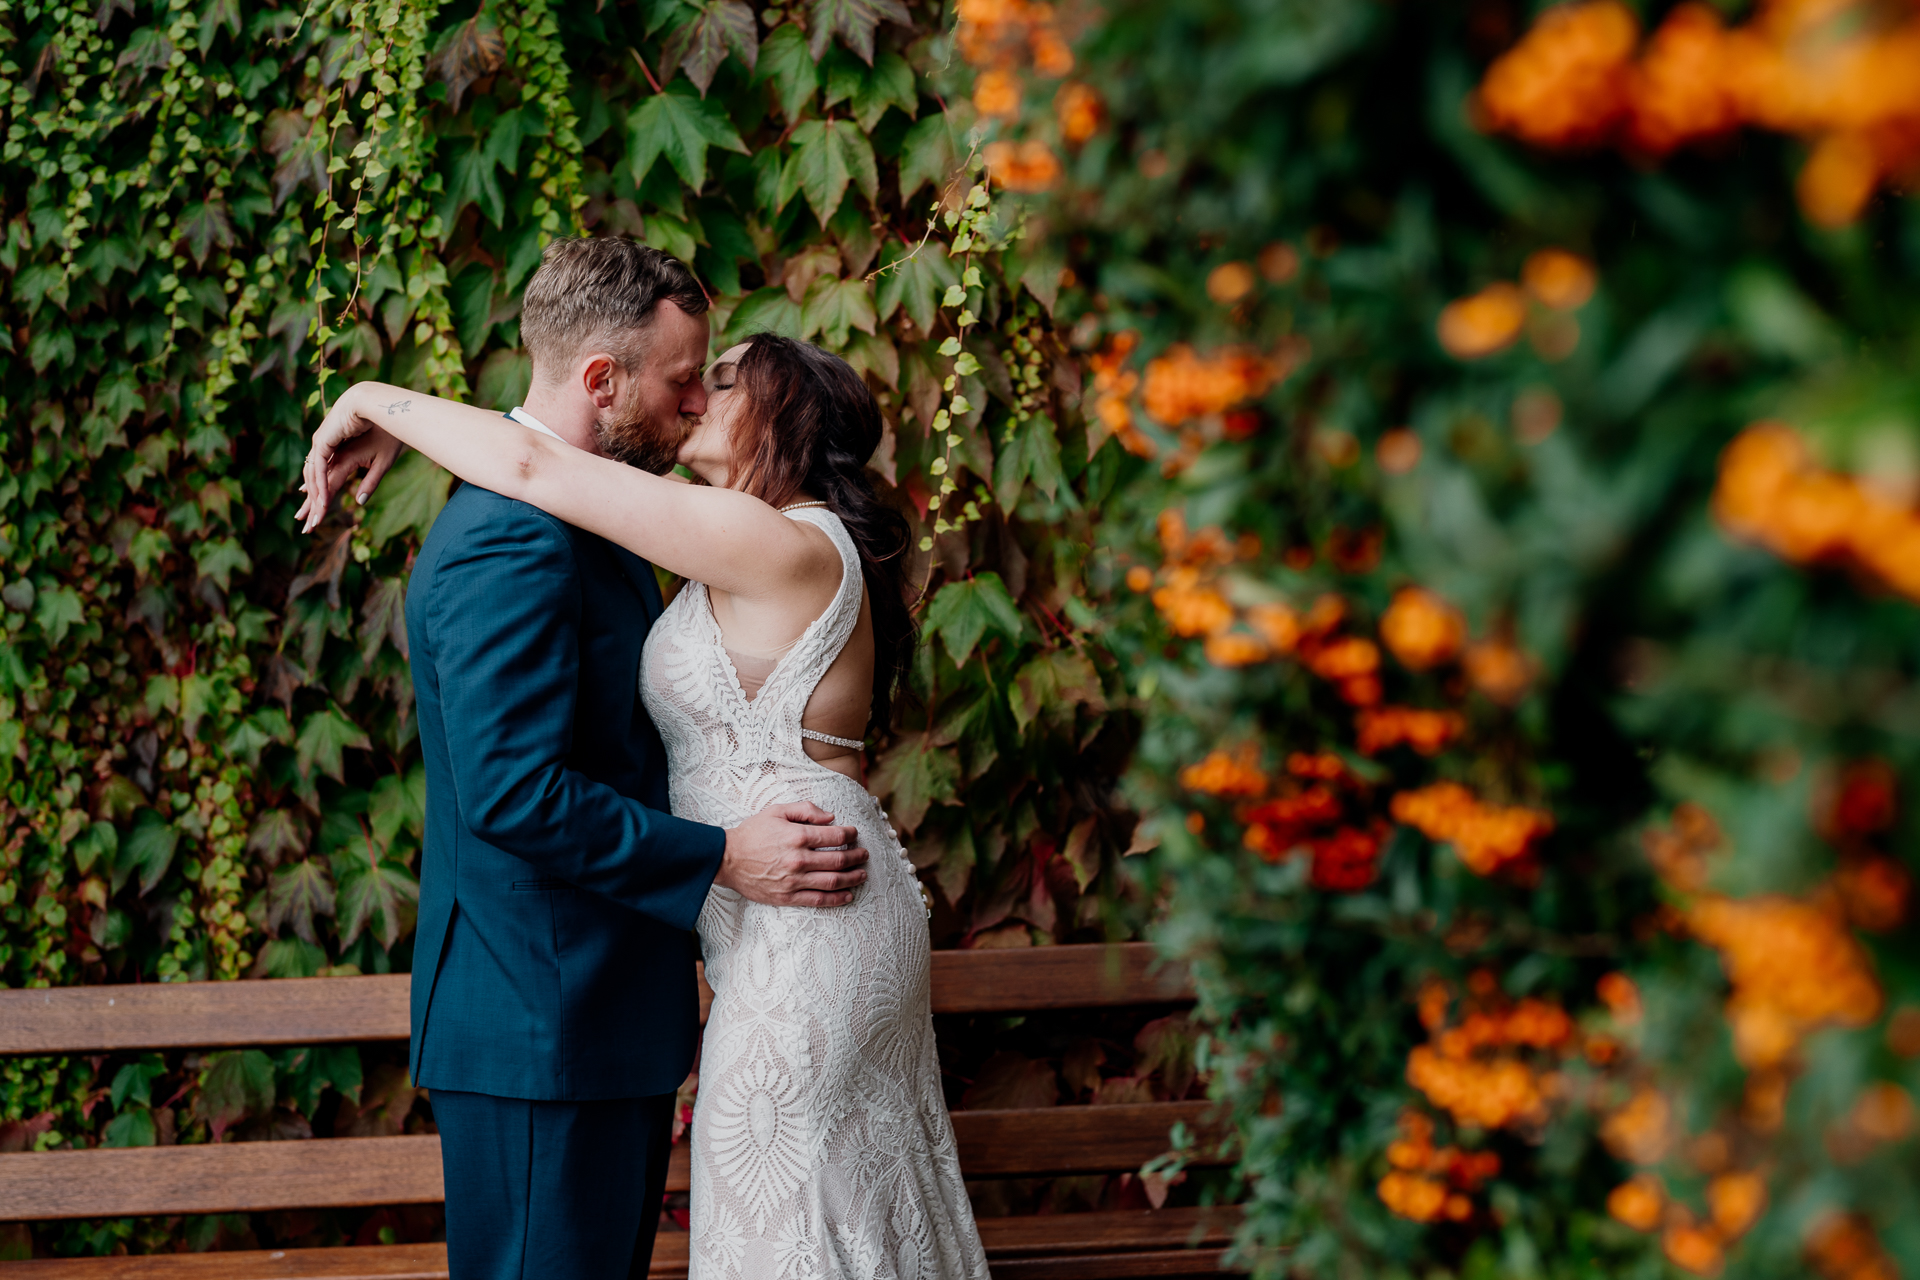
(504, 607)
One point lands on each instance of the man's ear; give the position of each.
(597, 374)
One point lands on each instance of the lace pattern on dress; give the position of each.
(821, 1144)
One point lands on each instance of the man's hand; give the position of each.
(784, 856)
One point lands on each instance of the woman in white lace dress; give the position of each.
(821, 1144)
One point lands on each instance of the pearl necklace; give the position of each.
(795, 506)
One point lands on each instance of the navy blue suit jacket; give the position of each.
(554, 957)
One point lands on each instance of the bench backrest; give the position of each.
(342, 1172)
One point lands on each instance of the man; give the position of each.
(554, 1003)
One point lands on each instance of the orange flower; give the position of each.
(1875, 892)
(1023, 166)
(1051, 54)
(1638, 1202)
(1499, 670)
(1561, 280)
(1080, 111)
(1398, 451)
(1113, 387)
(1736, 1201)
(1277, 624)
(1622, 998)
(1425, 731)
(1347, 658)
(1694, 1248)
(1490, 1093)
(1487, 838)
(997, 93)
(1883, 1112)
(1229, 282)
(1235, 775)
(1682, 88)
(1233, 649)
(1279, 262)
(1412, 1196)
(1564, 84)
(1484, 323)
(1794, 968)
(1642, 1130)
(1839, 178)
(1139, 578)
(1181, 386)
(1190, 608)
(1422, 629)
(1844, 1247)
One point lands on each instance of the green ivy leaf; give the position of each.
(134, 1082)
(100, 842)
(929, 153)
(1056, 681)
(409, 498)
(323, 736)
(963, 612)
(309, 1072)
(56, 611)
(380, 896)
(235, 1085)
(827, 155)
(853, 21)
(1031, 452)
(277, 835)
(134, 1128)
(916, 282)
(832, 307)
(399, 802)
(699, 47)
(769, 310)
(911, 777)
(383, 618)
(148, 849)
(680, 125)
(258, 731)
(296, 893)
(889, 84)
(503, 383)
(790, 67)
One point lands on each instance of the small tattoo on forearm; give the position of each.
(399, 406)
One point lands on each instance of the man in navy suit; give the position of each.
(554, 1004)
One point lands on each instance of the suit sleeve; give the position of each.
(504, 608)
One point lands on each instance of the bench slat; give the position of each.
(1050, 1141)
(326, 1173)
(181, 1015)
(1054, 1239)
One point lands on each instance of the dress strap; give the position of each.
(817, 736)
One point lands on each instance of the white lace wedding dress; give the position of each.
(821, 1144)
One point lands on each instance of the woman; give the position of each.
(821, 1143)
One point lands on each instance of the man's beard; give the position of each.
(629, 434)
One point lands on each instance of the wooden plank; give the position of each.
(164, 1015)
(1127, 1230)
(240, 1177)
(1071, 1232)
(231, 1177)
(1063, 1140)
(1163, 1264)
(337, 1010)
(1077, 976)
(366, 1262)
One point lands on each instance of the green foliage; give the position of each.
(212, 216)
(1303, 182)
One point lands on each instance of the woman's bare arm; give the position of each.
(729, 540)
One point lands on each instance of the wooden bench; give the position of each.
(351, 1172)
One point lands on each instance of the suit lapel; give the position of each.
(639, 575)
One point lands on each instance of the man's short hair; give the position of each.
(601, 292)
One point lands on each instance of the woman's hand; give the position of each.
(348, 440)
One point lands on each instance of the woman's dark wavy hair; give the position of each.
(808, 424)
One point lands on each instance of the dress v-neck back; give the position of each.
(821, 1144)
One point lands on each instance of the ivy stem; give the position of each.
(643, 69)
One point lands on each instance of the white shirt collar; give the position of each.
(520, 415)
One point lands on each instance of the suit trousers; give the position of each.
(552, 1190)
